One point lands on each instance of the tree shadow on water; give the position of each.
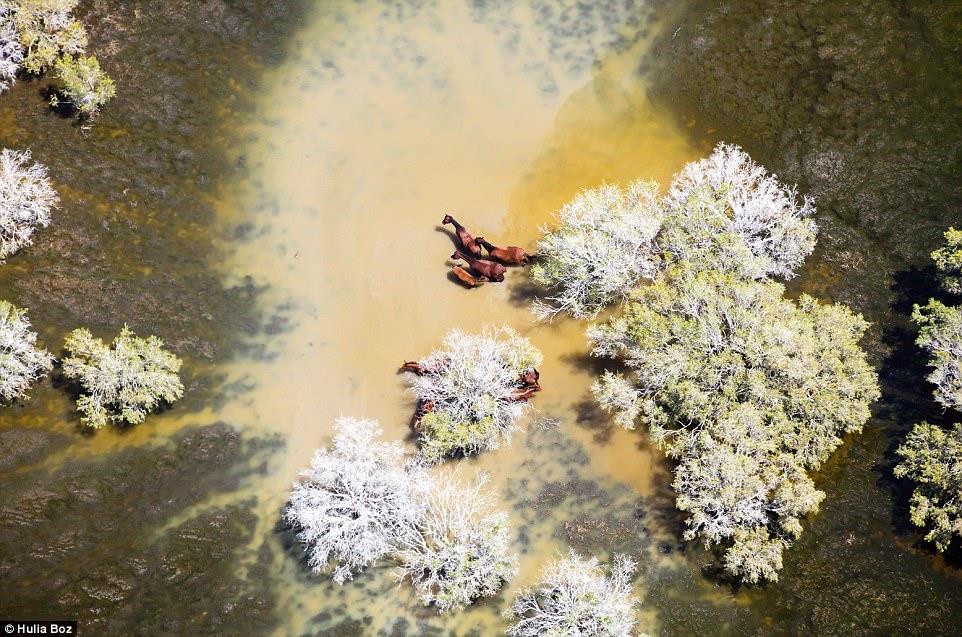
(906, 395)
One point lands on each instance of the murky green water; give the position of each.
(264, 194)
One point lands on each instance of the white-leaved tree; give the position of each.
(462, 549)
(575, 597)
(21, 361)
(121, 382)
(727, 212)
(358, 502)
(474, 387)
(11, 53)
(603, 245)
(26, 199)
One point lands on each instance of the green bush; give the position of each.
(122, 382)
(83, 84)
(932, 458)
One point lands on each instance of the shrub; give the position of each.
(21, 361)
(26, 199)
(11, 53)
(748, 391)
(83, 84)
(122, 382)
(726, 212)
(575, 597)
(932, 458)
(358, 502)
(948, 260)
(461, 550)
(603, 246)
(45, 31)
(471, 383)
(940, 334)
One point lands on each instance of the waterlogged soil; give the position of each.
(264, 194)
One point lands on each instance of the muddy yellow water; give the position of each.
(383, 119)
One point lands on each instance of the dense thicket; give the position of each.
(940, 334)
(748, 391)
(462, 548)
(365, 499)
(932, 459)
(603, 245)
(948, 261)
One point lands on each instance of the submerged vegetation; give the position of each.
(472, 391)
(124, 381)
(576, 597)
(21, 361)
(26, 199)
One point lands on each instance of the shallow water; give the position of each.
(378, 124)
(280, 230)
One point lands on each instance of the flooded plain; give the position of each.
(281, 229)
(380, 123)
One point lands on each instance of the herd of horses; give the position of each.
(480, 269)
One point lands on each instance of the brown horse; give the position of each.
(467, 278)
(466, 238)
(530, 378)
(424, 407)
(414, 367)
(512, 255)
(493, 271)
(523, 394)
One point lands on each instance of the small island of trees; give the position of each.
(745, 390)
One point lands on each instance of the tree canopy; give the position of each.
(575, 596)
(26, 200)
(604, 244)
(357, 501)
(932, 459)
(724, 212)
(21, 361)
(940, 334)
(471, 384)
(948, 260)
(121, 382)
(748, 391)
(462, 548)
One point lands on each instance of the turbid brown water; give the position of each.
(279, 228)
